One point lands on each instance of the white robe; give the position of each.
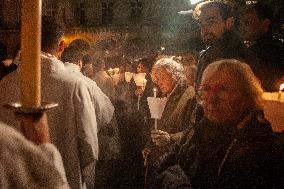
(26, 165)
(73, 125)
(108, 133)
(102, 103)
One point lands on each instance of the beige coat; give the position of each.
(26, 165)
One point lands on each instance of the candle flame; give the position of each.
(155, 90)
(281, 87)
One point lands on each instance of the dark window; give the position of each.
(80, 14)
(136, 10)
(107, 13)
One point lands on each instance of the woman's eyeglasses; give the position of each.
(221, 91)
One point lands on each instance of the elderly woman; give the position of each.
(169, 76)
(233, 146)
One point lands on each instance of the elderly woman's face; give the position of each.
(221, 96)
(165, 80)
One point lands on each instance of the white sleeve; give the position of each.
(103, 105)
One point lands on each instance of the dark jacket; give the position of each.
(226, 157)
(178, 109)
(5, 70)
(229, 46)
(270, 52)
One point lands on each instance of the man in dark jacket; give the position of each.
(216, 21)
(255, 27)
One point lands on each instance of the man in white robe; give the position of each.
(73, 125)
(108, 133)
(72, 58)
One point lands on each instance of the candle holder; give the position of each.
(139, 79)
(156, 106)
(19, 109)
(140, 82)
(128, 76)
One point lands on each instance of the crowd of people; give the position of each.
(213, 132)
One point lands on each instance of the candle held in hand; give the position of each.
(155, 92)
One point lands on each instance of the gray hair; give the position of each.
(173, 67)
(250, 85)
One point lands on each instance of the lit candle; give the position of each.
(280, 91)
(30, 53)
(155, 92)
(156, 121)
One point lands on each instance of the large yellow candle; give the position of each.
(30, 52)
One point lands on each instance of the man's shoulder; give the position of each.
(76, 80)
(84, 80)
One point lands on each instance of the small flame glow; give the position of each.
(281, 87)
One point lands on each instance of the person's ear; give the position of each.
(230, 22)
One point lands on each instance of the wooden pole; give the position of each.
(30, 53)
